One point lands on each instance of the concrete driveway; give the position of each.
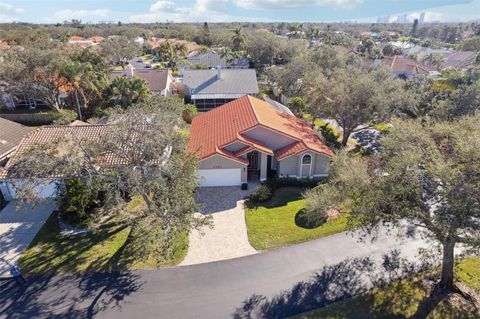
(227, 238)
(18, 226)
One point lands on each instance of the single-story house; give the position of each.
(208, 89)
(11, 134)
(403, 67)
(160, 81)
(212, 59)
(49, 185)
(461, 60)
(247, 138)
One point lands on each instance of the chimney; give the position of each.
(130, 71)
(219, 72)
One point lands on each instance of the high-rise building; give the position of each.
(421, 20)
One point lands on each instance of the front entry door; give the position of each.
(252, 161)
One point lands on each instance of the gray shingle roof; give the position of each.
(460, 60)
(232, 81)
(212, 59)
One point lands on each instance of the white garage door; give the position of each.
(46, 190)
(220, 177)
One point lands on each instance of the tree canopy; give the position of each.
(427, 175)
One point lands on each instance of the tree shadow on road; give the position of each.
(331, 284)
(76, 296)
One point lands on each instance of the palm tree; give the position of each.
(238, 38)
(434, 61)
(181, 49)
(79, 78)
(166, 53)
(126, 91)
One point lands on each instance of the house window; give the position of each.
(306, 167)
(307, 159)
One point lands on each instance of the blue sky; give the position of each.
(52, 11)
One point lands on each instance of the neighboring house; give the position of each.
(157, 42)
(159, 81)
(11, 134)
(247, 138)
(208, 89)
(213, 59)
(403, 67)
(46, 134)
(421, 52)
(461, 60)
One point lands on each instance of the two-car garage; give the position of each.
(220, 177)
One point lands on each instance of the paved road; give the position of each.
(18, 226)
(268, 285)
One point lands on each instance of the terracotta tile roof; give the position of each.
(255, 144)
(224, 125)
(291, 149)
(290, 125)
(11, 135)
(96, 38)
(156, 42)
(399, 63)
(220, 126)
(48, 134)
(76, 38)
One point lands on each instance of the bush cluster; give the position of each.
(277, 182)
(262, 194)
(78, 199)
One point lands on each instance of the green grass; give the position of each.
(468, 271)
(112, 246)
(273, 224)
(401, 299)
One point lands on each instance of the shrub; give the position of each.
(331, 139)
(382, 127)
(244, 186)
(64, 117)
(188, 113)
(310, 219)
(78, 199)
(262, 194)
(278, 182)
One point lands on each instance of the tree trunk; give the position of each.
(79, 111)
(346, 136)
(446, 282)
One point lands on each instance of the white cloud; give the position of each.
(8, 8)
(8, 12)
(68, 14)
(201, 10)
(288, 4)
(160, 5)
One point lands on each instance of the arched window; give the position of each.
(306, 167)
(307, 159)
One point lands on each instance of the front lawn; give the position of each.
(403, 299)
(107, 248)
(272, 224)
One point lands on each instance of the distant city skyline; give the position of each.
(405, 11)
(405, 18)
